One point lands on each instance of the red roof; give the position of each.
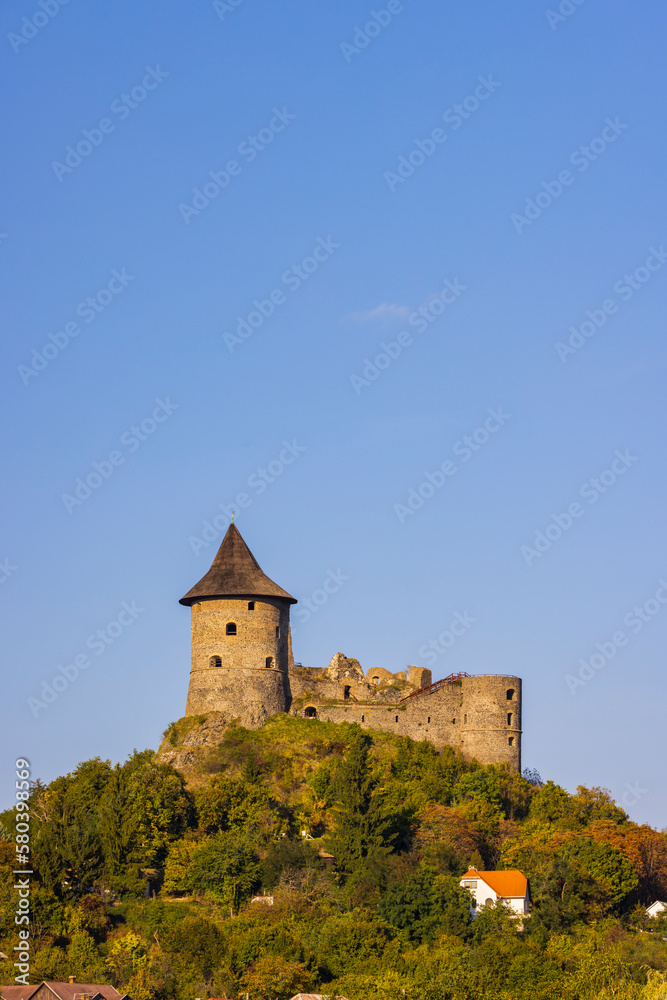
(508, 884)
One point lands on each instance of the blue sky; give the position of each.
(362, 162)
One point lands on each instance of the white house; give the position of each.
(510, 887)
(655, 909)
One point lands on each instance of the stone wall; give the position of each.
(243, 686)
(256, 678)
(249, 694)
(493, 719)
(470, 715)
(260, 633)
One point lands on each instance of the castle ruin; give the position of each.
(244, 669)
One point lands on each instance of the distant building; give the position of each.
(62, 991)
(509, 887)
(243, 668)
(655, 909)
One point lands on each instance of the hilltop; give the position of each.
(220, 815)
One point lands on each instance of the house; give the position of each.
(510, 887)
(655, 909)
(62, 991)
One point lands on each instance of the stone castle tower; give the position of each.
(242, 668)
(241, 642)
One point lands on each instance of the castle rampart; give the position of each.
(480, 716)
(242, 668)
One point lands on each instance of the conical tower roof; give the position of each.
(235, 573)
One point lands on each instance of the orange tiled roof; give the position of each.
(509, 884)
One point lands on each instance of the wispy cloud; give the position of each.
(384, 313)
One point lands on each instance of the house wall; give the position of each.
(483, 893)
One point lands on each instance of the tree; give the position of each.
(178, 863)
(284, 857)
(361, 824)
(551, 804)
(446, 838)
(613, 874)
(69, 851)
(425, 904)
(225, 803)
(272, 977)
(227, 868)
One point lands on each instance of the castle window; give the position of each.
(277, 631)
(215, 661)
(363, 718)
(346, 692)
(510, 741)
(396, 720)
(453, 722)
(429, 719)
(269, 661)
(376, 680)
(509, 718)
(465, 720)
(310, 712)
(231, 628)
(251, 605)
(510, 694)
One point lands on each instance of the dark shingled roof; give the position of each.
(235, 573)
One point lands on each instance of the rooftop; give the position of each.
(235, 573)
(511, 884)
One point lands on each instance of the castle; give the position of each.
(243, 668)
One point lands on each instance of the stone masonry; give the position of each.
(242, 667)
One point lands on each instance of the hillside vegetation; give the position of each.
(387, 920)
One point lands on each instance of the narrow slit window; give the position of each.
(509, 718)
(363, 718)
(277, 631)
(510, 741)
(396, 718)
(346, 692)
(251, 605)
(429, 719)
(231, 628)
